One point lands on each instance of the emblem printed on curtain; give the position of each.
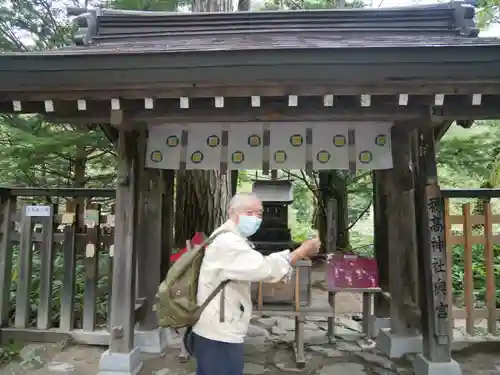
(329, 146)
(164, 147)
(373, 145)
(287, 147)
(244, 149)
(204, 146)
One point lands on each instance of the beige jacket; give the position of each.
(232, 257)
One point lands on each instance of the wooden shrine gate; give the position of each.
(416, 68)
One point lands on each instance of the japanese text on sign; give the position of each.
(38, 211)
(438, 263)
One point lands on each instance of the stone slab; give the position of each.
(120, 363)
(343, 369)
(394, 346)
(151, 342)
(377, 324)
(422, 366)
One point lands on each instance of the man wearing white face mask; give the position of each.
(218, 335)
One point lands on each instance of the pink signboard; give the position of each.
(351, 271)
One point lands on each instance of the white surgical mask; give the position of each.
(248, 225)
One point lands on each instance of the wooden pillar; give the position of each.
(8, 207)
(234, 182)
(401, 235)
(149, 240)
(381, 246)
(431, 250)
(124, 262)
(167, 214)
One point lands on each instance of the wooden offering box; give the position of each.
(296, 292)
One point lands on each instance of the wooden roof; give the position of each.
(381, 63)
(106, 31)
(437, 24)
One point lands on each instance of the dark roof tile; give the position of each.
(107, 31)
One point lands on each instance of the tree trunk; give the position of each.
(339, 192)
(79, 164)
(202, 197)
(201, 203)
(212, 6)
(332, 186)
(243, 5)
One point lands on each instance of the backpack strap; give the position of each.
(221, 286)
(214, 293)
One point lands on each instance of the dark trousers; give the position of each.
(218, 358)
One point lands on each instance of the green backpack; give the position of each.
(176, 304)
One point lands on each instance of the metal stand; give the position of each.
(367, 308)
(298, 345)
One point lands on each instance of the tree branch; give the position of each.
(360, 216)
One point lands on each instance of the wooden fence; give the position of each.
(471, 239)
(56, 264)
(56, 258)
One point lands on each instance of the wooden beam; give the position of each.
(234, 181)
(161, 90)
(366, 107)
(381, 304)
(110, 132)
(8, 207)
(432, 250)
(124, 262)
(62, 192)
(167, 213)
(441, 129)
(367, 114)
(245, 113)
(149, 242)
(401, 233)
(470, 193)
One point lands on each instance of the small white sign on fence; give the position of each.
(38, 211)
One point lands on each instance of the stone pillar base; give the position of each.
(151, 342)
(377, 324)
(394, 346)
(422, 366)
(120, 363)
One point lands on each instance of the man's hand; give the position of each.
(308, 248)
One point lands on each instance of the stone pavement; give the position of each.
(268, 350)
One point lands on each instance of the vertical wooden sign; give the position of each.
(435, 215)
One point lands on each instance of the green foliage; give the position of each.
(34, 152)
(487, 13)
(478, 274)
(161, 5)
(9, 353)
(470, 158)
(303, 201)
